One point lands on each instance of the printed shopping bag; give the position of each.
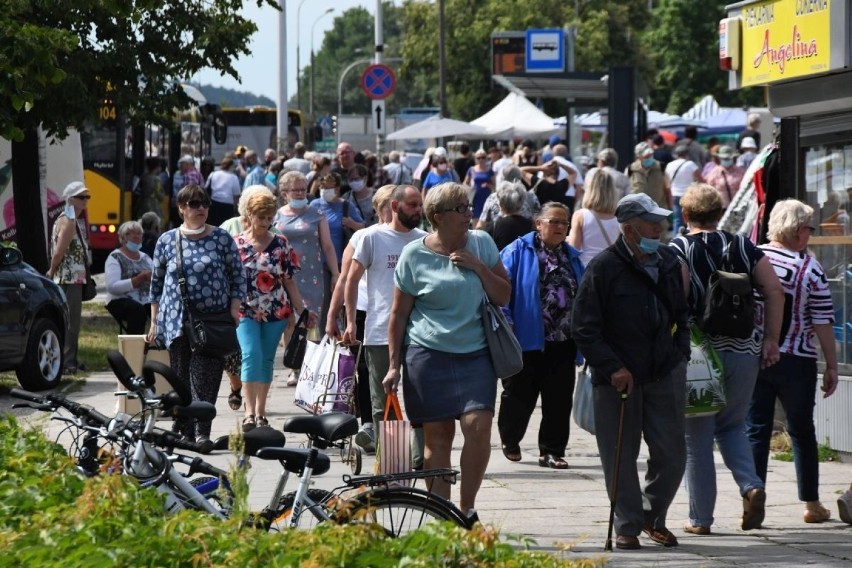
(327, 378)
(584, 406)
(393, 454)
(705, 376)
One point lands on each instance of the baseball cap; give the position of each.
(643, 150)
(74, 188)
(642, 206)
(725, 152)
(186, 159)
(748, 142)
(554, 140)
(440, 151)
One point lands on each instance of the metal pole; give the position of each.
(281, 114)
(298, 55)
(313, 27)
(380, 139)
(442, 60)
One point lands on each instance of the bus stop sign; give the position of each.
(378, 81)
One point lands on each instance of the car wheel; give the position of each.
(42, 365)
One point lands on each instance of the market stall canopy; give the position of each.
(516, 117)
(437, 127)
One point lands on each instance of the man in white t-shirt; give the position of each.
(376, 254)
(681, 172)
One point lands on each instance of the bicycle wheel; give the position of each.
(400, 510)
(308, 518)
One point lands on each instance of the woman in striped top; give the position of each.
(808, 313)
(705, 249)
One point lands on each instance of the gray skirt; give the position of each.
(438, 386)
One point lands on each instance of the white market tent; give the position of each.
(516, 117)
(437, 127)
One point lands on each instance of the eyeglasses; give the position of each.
(460, 209)
(810, 229)
(83, 197)
(197, 204)
(557, 222)
(297, 190)
(479, 158)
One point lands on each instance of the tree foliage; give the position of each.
(683, 45)
(63, 58)
(673, 47)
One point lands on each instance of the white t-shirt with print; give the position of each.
(378, 251)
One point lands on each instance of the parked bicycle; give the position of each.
(147, 453)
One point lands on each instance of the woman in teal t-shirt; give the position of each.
(440, 281)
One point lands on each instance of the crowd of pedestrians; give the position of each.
(590, 264)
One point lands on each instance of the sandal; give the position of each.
(512, 453)
(249, 423)
(262, 421)
(235, 400)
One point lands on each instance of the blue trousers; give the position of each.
(793, 381)
(258, 342)
(726, 428)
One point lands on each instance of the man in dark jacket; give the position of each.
(629, 322)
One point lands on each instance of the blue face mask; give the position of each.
(649, 246)
(133, 247)
(298, 203)
(647, 162)
(69, 211)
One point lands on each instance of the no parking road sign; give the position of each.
(378, 81)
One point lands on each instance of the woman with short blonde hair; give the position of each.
(436, 334)
(809, 315)
(271, 296)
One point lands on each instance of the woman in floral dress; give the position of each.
(271, 294)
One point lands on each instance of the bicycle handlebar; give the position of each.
(54, 401)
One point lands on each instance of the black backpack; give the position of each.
(728, 297)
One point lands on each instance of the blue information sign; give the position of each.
(545, 51)
(378, 81)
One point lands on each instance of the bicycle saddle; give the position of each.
(294, 460)
(325, 428)
(263, 437)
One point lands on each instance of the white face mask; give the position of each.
(328, 194)
(356, 184)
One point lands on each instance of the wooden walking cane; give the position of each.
(616, 468)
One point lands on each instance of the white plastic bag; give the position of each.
(584, 404)
(326, 379)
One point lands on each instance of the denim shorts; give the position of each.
(438, 386)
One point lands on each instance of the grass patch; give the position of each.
(98, 334)
(782, 445)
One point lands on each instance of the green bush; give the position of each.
(49, 516)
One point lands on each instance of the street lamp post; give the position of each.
(340, 86)
(298, 54)
(313, 27)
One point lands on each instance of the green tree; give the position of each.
(683, 45)
(59, 60)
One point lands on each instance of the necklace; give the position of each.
(187, 231)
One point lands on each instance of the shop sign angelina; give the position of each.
(785, 39)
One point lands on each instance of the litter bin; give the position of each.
(132, 347)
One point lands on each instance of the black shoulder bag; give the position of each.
(294, 353)
(209, 335)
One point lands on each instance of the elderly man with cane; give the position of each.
(629, 321)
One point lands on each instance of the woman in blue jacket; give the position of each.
(545, 273)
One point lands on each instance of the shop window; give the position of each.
(828, 189)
